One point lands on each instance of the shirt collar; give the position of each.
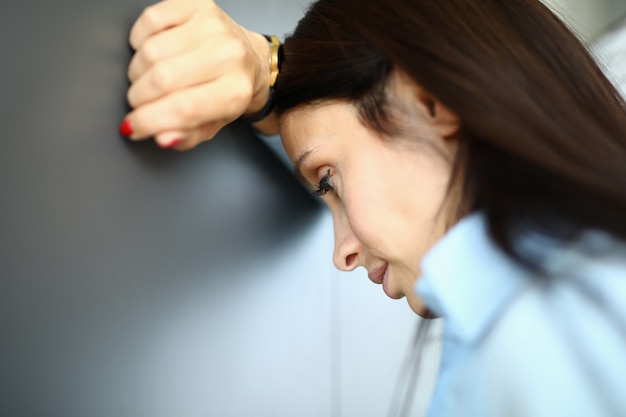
(468, 280)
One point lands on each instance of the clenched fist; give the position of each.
(194, 71)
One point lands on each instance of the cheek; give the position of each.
(392, 222)
(370, 220)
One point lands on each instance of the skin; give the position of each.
(187, 54)
(387, 194)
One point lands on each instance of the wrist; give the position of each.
(262, 77)
(266, 94)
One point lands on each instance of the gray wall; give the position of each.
(136, 281)
(588, 18)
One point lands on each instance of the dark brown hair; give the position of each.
(543, 136)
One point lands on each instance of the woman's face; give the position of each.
(385, 193)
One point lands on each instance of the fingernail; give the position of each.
(172, 144)
(126, 129)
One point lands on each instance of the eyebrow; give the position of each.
(298, 167)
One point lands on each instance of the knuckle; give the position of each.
(210, 20)
(211, 6)
(242, 92)
(226, 49)
(185, 110)
(152, 17)
(211, 12)
(235, 50)
(149, 52)
(161, 78)
(131, 98)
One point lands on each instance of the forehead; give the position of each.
(305, 127)
(317, 115)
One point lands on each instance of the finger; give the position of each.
(163, 45)
(186, 140)
(201, 65)
(170, 139)
(185, 109)
(161, 16)
(198, 136)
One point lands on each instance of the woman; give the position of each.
(473, 157)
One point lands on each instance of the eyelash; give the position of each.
(325, 185)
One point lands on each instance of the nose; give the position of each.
(348, 249)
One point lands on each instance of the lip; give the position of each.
(386, 288)
(377, 274)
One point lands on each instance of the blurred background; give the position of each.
(589, 18)
(601, 24)
(141, 282)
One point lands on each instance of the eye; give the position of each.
(325, 185)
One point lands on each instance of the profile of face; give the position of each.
(387, 193)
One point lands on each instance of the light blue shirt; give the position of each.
(519, 344)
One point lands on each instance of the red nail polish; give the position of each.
(126, 129)
(169, 145)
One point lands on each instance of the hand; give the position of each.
(194, 71)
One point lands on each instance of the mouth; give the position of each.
(377, 274)
(380, 275)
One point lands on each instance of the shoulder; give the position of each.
(559, 348)
(527, 344)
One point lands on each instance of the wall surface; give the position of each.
(136, 281)
(601, 24)
(588, 18)
(610, 50)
